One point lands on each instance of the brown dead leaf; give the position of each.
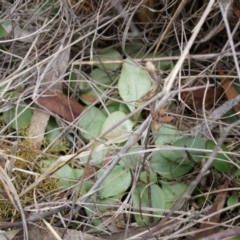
(107, 161)
(60, 104)
(89, 98)
(50, 72)
(88, 172)
(218, 204)
(236, 8)
(229, 90)
(167, 119)
(158, 117)
(195, 98)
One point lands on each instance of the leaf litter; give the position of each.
(111, 143)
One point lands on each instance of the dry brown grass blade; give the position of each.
(169, 26)
(14, 198)
(217, 205)
(203, 129)
(93, 26)
(51, 73)
(229, 90)
(52, 169)
(226, 234)
(41, 233)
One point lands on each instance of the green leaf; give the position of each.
(93, 210)
(164, 64)
(108, 55)
(168, 169)
(100, 76)
(221, 162)
(148, 177)
(97, 157)
(191, 142)
(116, 183)
(131, 161)
(141, 199)
(18, 117)
(10, 95)
(3, 32)
(91, 96)
(180, 156)
(166, 134)
(78, 80)
(135, 49)
(52, 131)
(91, 123)
(109, 202)
(133, 83)
(231, 117)
(67, 176)
(173, 192)
(232, 200)
(122, 132)
(116, 106)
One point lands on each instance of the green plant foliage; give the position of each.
(148, 176)
(116, 183)
(92, 95)
(133, 160)
(116, 106)
(168, 169)
(9, 95)
(18, 117)
(122, 132)
(135, 49)
(108, 55)
(110, 201)
(237, 175)
(67, 175)
(141, 199)
(190, 142)
(3, 32)
(78, 80)
(97, 157)
(231, 117)
(100, 76)
(6, 27)
(221, 162)
(166, 134)
(91, 123)
(180, 156)
(164, 64)
(133, 83)
(235, 238)
(173, 192)
(171, 163)
(232, 200)
(52, 130)
(93, 210)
